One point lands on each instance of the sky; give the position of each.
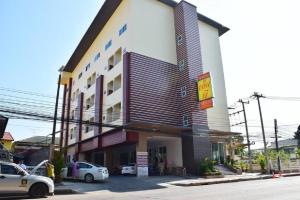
(260, 53)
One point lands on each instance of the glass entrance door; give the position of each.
(218, 152)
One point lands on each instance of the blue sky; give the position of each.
(37, 38)
(260, 52)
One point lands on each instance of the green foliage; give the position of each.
(261, 160)
(298, 152)
(58, 162)
(273, 154)
(206, 167)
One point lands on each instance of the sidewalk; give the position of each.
(227, 179)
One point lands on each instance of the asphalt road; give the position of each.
(273, 189)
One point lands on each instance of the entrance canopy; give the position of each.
(215, 135)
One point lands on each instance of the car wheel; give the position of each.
(38, 190)
(89, 178)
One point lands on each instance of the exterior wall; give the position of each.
(195, 146)
(100, 67)
(151, 76)
(153, 91)
(153, 33)
(212, 62)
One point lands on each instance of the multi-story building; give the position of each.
(130, 88)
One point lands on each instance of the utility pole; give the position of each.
(55, 118)
(276, 142)
(258, 96)
(247, 132)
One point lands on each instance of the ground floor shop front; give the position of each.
(152, 153)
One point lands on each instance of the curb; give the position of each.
(223, 181)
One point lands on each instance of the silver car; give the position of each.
(15, 180)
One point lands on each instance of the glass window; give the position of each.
(183, 91)
(108, 45)
(80, 75)
(123, 29)
(179, 40)
(185, 120)
(87, 67)
(181, 65)
(97, 57)
(84, 166)
(8, 169)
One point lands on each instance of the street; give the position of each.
(280, 188)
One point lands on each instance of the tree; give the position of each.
(297, 135)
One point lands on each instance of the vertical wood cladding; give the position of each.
(153, 91)
(99, 104)
(196, 145)
(186, 25)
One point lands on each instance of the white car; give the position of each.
(87, 172)
(13, 180)
(129, 169)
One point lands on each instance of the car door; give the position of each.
(11, 179)
(83, 170)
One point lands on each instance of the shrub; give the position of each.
(206, 167)
(58, 162)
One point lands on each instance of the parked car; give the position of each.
(13, 179)
(129, 169)
(87, 172)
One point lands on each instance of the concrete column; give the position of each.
(142, 156)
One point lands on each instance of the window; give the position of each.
(115, 59)
(108, 45)
(80, 75)
(73, 114)
(181, 65)
(118, 56)
(8, 169)
(117, 112)
(110, 88)
(91, 80)
(109, 113)
(179, 40)
(123, 29)
(71, 133)
(84, 166)
(73, 96)
(97, 57)
(185, 120)
(117, 83)
(87, 67)
(183, 91)
(87, 128)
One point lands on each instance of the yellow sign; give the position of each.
(204, 87)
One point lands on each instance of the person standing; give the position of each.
(50, 170)
(75, 169)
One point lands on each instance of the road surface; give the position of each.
(270, 189)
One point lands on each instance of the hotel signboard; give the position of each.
(205, 93)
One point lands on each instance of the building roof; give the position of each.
(38, 140)
(7, 136)
(285, 143)
(102, 17)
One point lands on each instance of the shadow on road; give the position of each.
(123, 184)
